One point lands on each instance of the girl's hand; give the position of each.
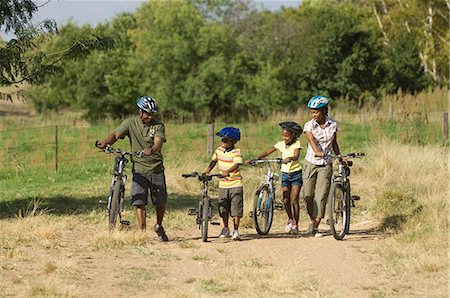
(320, 154)
(287, 160)
(248, 161)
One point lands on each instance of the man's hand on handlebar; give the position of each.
(101, 144)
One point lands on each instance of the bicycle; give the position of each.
(264, 202)
(204, 210)
(114, 205)
(340, 200)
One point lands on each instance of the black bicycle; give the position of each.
(340, 199)
(264, 202)
(114, 205)
(204, 210)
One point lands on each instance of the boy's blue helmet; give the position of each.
(147, 104)
(232, 133)
(318, 102)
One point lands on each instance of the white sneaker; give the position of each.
(236, 235)
(225, 233)
(289, 226)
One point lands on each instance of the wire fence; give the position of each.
(54, 146)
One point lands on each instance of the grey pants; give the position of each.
(316, 186)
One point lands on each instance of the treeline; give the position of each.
(202, 58)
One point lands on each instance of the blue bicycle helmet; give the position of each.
(318, 102)
(147, 104)
(232, 133)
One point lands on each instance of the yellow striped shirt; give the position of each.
(226, 159)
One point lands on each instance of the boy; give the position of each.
(231, 193)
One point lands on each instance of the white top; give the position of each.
(288, 151)
(324, 137)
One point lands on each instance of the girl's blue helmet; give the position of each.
(232, 133)
(318, 102)
(147, 104)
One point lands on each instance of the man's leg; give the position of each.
(159, 198)
(141, 217)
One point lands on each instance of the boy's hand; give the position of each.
(224, 174)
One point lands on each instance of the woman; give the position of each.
(321, 133)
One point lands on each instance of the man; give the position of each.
(146, 134)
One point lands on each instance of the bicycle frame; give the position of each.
(115, 202)
(204, 211)
(263, 205)
(340, 199)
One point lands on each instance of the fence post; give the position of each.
(56, 148)
(444, 127)
(210, 145)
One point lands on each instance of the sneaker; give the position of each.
(161, 233)
(317, 234)
(225, 233)
(236, 235)
(288, 228)
(294, 230)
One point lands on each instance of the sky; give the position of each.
(94, 12)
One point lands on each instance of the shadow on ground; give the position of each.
(68, 205)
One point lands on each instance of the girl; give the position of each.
(321, 133)
(291, 178)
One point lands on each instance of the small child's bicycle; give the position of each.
(264, 202)
(204, 211)
(114, 205)
(340, 200)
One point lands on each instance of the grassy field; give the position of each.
(403, 182)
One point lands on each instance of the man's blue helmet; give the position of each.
(318, 102)
(147, 104)
(232, 133)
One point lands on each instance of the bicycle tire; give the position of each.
(263, 210)
(204, 219)
(338, 211)
(114, 207)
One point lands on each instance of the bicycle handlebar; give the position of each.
(348, 155)
(201, 177)
(109, 149)
(255, 162)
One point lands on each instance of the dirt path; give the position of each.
(86, 263)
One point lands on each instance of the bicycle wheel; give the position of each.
(114, 204)
(263, 210)
(204, 219)
(339, 211)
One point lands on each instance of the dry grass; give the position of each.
(409, 190)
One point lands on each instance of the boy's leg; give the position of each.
(224, 205)
(236, 209)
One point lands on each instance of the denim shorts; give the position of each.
(289, 179)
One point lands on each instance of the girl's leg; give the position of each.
(295, 190)
(287, 200)
(236, 221)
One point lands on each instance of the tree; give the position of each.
(22, 60)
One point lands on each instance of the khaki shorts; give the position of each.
(231, 202)
(316, 186)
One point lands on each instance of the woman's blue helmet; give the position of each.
(232, 133)
(318, 102)
(147, 104)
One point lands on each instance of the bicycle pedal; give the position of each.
(125, 222)
(250, 214)
(356, 198)
(215, 223)
(192, 211)
(279, 206)
(101, 203)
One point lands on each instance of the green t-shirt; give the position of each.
(142, 136)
